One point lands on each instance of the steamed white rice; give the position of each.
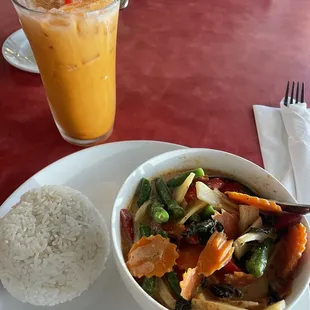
(53, 245)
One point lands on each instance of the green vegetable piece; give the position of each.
(179, 179)
(149, 285)
(176, 211)
(203, 230)
(195, 218)
(163, 192)
(257, 263)
(159, 214)
(208, 212)
(162, 233)
(145, 231)
(174, 283)
(143, 192)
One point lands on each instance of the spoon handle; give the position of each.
(294, 208)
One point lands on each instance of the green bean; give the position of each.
(159, 214)
(179, 179)
(163, 192)
(195, 218)
(149, 285)
(145, 231)
(174, 283)
(143, 192)
(208, 212)
(162, 233)
(257, 263)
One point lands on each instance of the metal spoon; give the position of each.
(287, 207)
(293, 207)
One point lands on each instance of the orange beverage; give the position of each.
(75, 46)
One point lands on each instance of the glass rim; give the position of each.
(107, 7)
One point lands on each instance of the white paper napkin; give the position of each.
(284, 137)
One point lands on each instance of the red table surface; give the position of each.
(188, 72)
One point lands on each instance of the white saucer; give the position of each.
(17, 51)
(98, 172)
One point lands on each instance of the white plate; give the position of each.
(17, 51)
(98, 172)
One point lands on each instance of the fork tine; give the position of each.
(286, 93)
(297, 93)
(292, 93)
(302, 93)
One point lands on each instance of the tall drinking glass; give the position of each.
(74, 46)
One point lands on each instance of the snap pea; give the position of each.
(179, 179)
(257, 263)
(143, 192)
(149, 285)
(163, 192)
(159, 214)
(208, 212)
(145, 231)
(174, 283)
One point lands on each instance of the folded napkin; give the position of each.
(284, 137)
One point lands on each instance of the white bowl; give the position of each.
(239, 168)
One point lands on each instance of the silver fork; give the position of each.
(298, 99)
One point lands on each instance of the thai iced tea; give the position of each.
(75, 46)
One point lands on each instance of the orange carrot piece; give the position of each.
(190, 283)
(188, 257)
(230, 223)
(261, 203)
(151, 256)
(216, 254)
(296, 241)
(239, 278)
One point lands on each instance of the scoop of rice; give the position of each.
(53, 245)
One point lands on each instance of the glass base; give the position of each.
(86, 143)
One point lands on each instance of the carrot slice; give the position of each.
(216, 254)
(296, 241)
(230, 223)
(151, 256)
(261, 203)
(239, 278)
(190, 283)
(188, 256)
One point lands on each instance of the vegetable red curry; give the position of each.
(194, 242)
